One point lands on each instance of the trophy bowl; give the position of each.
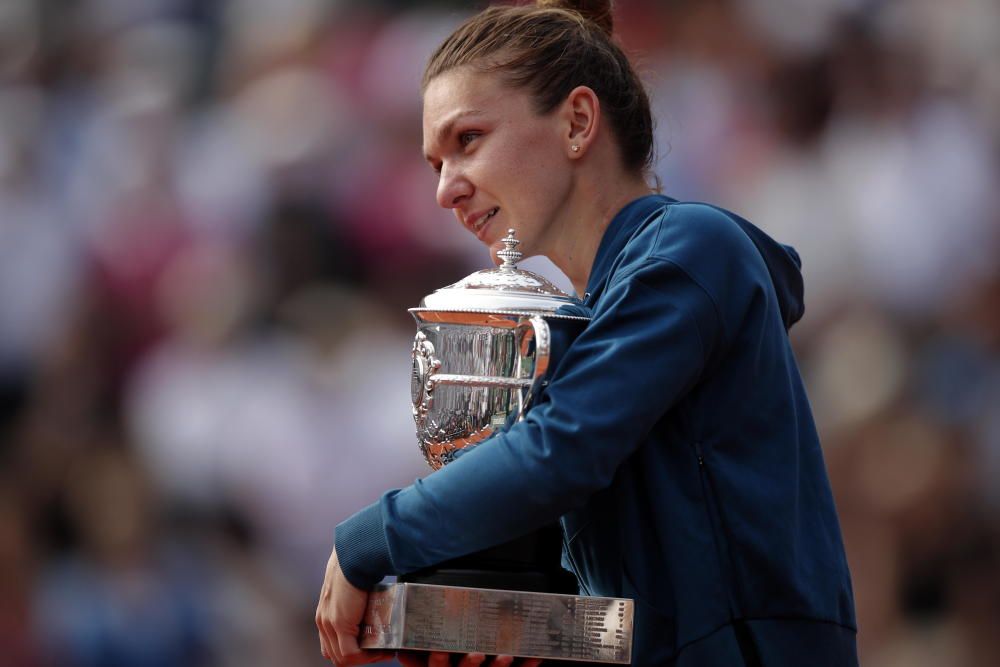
(481, 353)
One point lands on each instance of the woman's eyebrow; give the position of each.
(448, 125)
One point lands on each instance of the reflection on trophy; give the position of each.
(481, 356)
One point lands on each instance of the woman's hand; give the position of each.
(421, 659)
(339, 613)
(338, 618)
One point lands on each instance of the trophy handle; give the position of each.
(535, 329)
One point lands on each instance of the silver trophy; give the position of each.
(481, 355)
(481, 352)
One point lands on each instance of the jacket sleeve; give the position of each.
(652, 332)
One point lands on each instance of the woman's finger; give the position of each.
(411, 659)
(349, 653)
(368, 656)
(327, 641)
(472, 660)
(347, 648)
(324, 649)
(439, 660)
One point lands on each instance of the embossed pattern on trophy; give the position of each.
(465, 396)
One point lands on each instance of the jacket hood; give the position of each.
(782, 261)
(785, 267)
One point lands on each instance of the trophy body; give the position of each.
(481, 354)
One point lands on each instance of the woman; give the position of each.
(675, 442)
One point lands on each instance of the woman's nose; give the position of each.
(453, 187)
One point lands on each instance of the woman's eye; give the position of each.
(465, 138)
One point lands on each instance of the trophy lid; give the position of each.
(504, 288)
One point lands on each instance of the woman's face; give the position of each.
(501, 165)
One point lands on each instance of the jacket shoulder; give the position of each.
(693, 235)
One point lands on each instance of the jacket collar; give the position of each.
(619, 231)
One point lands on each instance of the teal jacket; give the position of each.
(675, 444)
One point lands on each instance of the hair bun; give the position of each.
(598, 11)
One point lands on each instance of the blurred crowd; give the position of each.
(213, 216)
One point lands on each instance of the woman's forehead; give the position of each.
(466, 89)
(462, 86)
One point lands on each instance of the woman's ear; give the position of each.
(581, 112)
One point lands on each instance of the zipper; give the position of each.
(731, 578)
(567, 549)
(720, 534)
(576, 568)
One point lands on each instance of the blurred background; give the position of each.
(213, 216)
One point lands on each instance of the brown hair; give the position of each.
(549, 49)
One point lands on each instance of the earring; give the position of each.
(576, 149)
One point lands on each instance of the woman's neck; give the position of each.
(574, 246)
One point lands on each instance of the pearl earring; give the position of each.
(576, 149)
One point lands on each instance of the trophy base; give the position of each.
(498, 622)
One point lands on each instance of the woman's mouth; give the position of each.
(479, 227)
